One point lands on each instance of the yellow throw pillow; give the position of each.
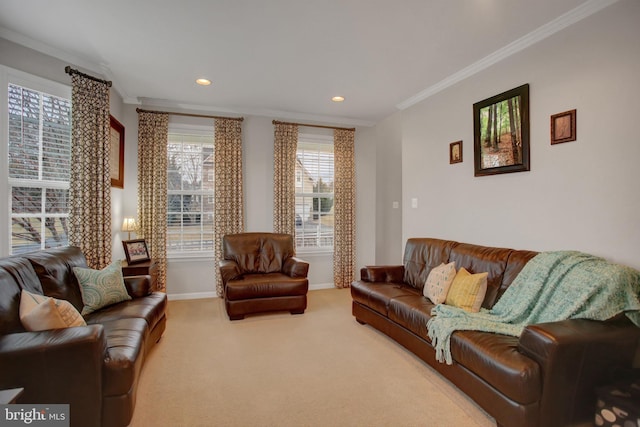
(439, 281)
(40, 313)
(467, 290)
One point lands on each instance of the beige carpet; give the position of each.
(321, 368)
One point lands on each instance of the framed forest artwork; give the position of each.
(501, 133)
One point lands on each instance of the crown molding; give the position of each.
(77, 61)
(49, 50)
(277, 114)
(563, 21)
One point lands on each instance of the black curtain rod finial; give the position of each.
(71, 71)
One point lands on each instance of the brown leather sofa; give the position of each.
(93, 368)
(546, 377)
(261, 273)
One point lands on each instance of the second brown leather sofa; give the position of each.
(546, 377)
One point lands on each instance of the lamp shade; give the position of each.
(129, 225)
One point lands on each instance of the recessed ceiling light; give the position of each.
(203, 82)
(337, 98)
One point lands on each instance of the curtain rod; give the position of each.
(71, 71)
(277, 122)
(140, 110)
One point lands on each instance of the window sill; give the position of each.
(188, 257)
(314, 252)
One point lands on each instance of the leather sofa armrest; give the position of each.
(229, 270)
(138, 286)
(382, 273)
(57, 366)
(295, 267)
(575, 356)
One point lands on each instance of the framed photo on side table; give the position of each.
(135, 250)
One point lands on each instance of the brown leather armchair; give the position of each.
(260, 273)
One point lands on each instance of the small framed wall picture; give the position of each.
(563, 127)
(136, 250)
(455, 152)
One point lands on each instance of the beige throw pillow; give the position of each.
(438, 282)
(467, 290)
(40, 313)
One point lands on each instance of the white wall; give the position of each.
(389, 244)
(579, 195)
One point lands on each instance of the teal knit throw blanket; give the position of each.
(552, 286)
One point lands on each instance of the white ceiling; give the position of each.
(285, 58)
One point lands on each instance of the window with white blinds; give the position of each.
(190, 181)
(39, 161)
(314, 194)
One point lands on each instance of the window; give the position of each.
(190, 187)
(38, 165)
(314, 193)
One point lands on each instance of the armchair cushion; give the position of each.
(258, 252)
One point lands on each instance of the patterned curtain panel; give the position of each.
(285, 144)
(153, 133)
(344, 208)
(228, 197)
(90, 181)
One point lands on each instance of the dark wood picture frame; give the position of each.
(136, 250)
(455, 152)
(501, 133)
(563, 127)
(116, 139)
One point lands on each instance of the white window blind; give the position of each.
(314, 195)
(39, 161)
(190, 187)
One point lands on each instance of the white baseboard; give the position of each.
(192, 295)
(200, 295)
(319, 286)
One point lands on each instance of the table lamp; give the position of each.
(129, 225)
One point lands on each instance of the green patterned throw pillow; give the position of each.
(101, 288)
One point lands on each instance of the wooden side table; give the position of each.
(140, 269)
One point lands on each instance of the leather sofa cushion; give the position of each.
(516, 262)
(150, 308)
(421, 255)
(378, 296)
(258, 252)
(124, 354)
(54, 268)
(412, 311)
(496, 359)
(16, 274)
(481, 259)
(9, 304)
(267, 285)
